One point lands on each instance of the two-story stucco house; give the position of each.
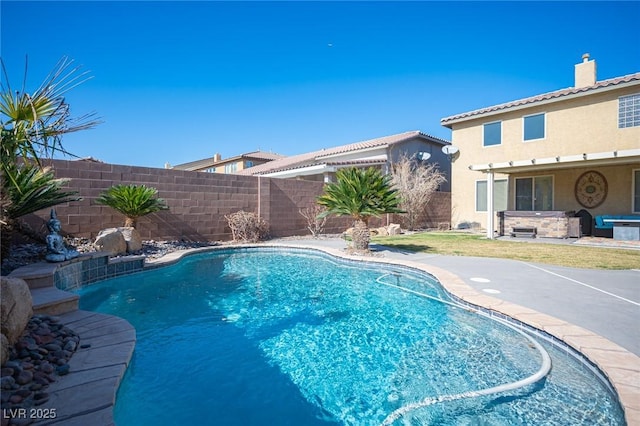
(551, 156)
(232, 165)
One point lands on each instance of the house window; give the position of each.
(629, 111)
(248, 164)
(499, 195)
(230, 168)
(636, 191)
(534, 193)
(211, 170)
(533, 127)
(492, 134)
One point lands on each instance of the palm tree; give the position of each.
(33, 123)
(133, 201)
(32, 126)
(360, 194)
(30, 190)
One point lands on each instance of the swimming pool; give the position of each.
(268, 336)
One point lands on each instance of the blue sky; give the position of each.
(180, 81)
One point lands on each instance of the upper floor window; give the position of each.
(210, 170)
(629, 111)
(492, 134)
(231, 168)
(533, 127)
(248, 163)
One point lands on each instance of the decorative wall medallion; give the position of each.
(591, 189)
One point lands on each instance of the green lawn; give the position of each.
(465, 244)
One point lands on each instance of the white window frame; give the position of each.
(544, 128)
(635, 209)
(485, 195)
(553, 191)
(635, 98)
(483, 141)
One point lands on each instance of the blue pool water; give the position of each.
(257, 337)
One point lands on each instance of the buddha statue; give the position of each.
(57, 251)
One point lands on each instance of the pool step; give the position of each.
(47, 299)
(52, 301)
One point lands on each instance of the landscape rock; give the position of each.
(16, 308)
(24, 379)
(4, 349)
(394, 229)
(382, 231)
(111, 241)
(132, 238)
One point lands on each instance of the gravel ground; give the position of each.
(25, 254)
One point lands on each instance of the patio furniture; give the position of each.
(619, 227)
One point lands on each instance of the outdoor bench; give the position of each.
(622, 227)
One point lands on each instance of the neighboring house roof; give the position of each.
(323, 156)
(213, 162)
(551, 96)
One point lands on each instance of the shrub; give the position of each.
(247, 227)
(133, 201)
(316, 219)
(416, 182)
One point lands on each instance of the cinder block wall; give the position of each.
(197, 202)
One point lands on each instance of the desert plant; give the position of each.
(360, 194)
(32, 126)
(33, 123)
(30, 190)
(247, 226)
(315, 217)
(416, 182)
(133, 201)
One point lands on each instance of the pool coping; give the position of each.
(619, 366)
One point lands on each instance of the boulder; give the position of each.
(16, 309)
(382, 231)
(111, 241)
(4, 349)
(394, 229)
(132, 238)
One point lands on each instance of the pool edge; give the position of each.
(620, 367)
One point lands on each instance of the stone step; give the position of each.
(36, 275)
(52, 301)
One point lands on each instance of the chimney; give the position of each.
(217, 157)
(585, 72)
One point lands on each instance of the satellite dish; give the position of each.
(450, 149)
(423, 156)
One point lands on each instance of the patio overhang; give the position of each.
(327, 167)
(607, 158)
(301, 171)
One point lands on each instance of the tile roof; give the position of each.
(544, 97)
(211, 161)
(261, 155)
(315, 158)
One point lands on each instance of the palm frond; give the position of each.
(133, 201)
(360, 194)
(28, 189)
(33, 123)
